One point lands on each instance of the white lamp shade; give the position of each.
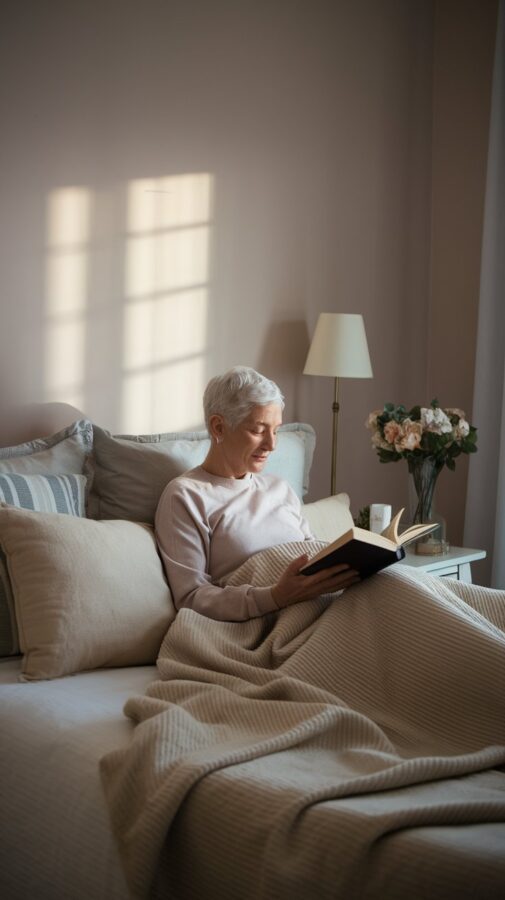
(339, 347)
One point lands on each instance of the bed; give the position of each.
(99, 804)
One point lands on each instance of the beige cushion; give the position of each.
(66, 452)
(87, 594)
(330, 517)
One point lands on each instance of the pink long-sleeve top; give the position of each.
(207, 526)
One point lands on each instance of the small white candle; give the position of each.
(380, 516)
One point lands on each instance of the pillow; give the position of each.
(9, 642)
(44, 493)
(330, 517)
(64, 453)
(131, 471)
(293, 456)
(87, 594)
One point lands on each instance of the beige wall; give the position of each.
(463, 60)
(185, 186)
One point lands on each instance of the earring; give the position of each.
(218, 440)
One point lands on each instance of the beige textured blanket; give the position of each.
(333, 750)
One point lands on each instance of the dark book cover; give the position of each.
(363, 557)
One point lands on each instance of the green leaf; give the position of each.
(387, 456)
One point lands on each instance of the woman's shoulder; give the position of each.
(187, 481)
(269, 482)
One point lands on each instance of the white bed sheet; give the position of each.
(55, 839)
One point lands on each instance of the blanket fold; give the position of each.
(280, 757)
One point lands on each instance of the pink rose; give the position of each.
(392, 432)
(411, 437)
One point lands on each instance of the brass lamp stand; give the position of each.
(335, 407)
(339, 348)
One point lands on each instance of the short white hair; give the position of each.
(234, 394)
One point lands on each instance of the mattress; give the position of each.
(55, 839)
(55, 836)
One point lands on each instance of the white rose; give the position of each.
(461, 430)
(426, 417)
(436, 420)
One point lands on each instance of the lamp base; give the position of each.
(335, 408)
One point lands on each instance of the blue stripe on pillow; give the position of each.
(44, 493)
(62, 501)
(5, 490)
(22, 489)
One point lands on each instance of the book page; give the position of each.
(410, 534)
(391, 532)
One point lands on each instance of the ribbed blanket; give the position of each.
(287, 757)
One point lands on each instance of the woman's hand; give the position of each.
(293, 587)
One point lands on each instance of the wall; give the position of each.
(186, 185)
(463, 60)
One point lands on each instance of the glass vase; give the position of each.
(424, 473)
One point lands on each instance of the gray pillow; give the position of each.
(131, 471)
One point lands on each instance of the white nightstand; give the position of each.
(455, 564)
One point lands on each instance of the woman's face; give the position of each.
(247, 447)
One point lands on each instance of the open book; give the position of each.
(366, 551)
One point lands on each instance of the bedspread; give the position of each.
(290, 749)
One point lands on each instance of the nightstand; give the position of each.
(455, 564)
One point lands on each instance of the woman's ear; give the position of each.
(216, 428)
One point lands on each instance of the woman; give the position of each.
(214, 517)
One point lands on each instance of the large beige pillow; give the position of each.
(65, 453)
(330, 517)
(87, 594)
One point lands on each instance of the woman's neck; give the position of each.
(216, 464)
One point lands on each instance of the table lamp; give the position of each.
(339, 348)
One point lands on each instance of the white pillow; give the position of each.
(87, 594)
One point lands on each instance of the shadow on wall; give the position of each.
(127, 301)
(282, 358)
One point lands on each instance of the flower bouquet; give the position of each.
(429, 438)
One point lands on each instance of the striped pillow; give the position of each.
(44, 493)
(41, 493)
